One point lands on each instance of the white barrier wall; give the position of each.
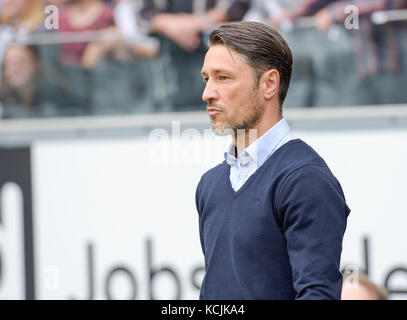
(372, 168)
(116, 218)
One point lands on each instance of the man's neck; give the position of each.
(245, 137)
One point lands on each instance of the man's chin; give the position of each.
(221, 130)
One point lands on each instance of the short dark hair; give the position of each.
(261, 45)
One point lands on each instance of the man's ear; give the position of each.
(270, 83)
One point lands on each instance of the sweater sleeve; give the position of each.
(313, 212)
(199, 208)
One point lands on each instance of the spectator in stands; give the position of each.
(96, 15)
(22, 15)
(58, 3)
(184, 21)
(17, 18)
(362, 288)
(301, 92)
(272, 11)
(81, 16)
(136, 43)
(380, 50)
(75, 60)
(20, 93)
(180, 24)
(31, 88)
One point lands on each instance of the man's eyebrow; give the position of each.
(203, 73)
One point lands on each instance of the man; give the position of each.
(271, 216)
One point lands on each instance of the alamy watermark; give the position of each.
(51, 21)
(351, 276)
(352, 19)
(51, 277)
(191, 147)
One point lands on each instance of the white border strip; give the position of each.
(196, 118)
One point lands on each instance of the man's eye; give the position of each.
(223, 78)
(205, 80)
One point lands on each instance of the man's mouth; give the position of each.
(213, 111)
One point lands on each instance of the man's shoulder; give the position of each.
(295, 158)
(212, 174)
(215, 171)
(301, 161)
(296, 154)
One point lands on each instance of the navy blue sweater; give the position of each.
(279, 236)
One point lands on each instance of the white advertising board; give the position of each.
(116, 219)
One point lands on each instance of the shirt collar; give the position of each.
(231, 154)
(260, 149)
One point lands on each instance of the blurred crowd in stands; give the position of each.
(96, 57)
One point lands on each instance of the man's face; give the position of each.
(231, 93)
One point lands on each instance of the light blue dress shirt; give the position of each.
(256, 153)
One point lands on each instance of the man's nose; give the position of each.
(210, 93)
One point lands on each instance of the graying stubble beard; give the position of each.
(246, 124)
(252, 121)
